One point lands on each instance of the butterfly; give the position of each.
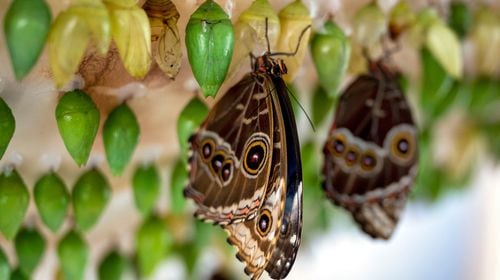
(246, 173)
(371, 152)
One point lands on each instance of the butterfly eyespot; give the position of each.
(255, 156)
(351, 156)
(216, 163)
(401, 144)
(226, 171)
(402, 147)
(264, 222)
(368, 161)
(338, 145)
(207, 148)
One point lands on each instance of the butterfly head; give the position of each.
(265, 64)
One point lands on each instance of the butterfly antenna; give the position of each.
(267, 36)
(296, 47)
(302, 108)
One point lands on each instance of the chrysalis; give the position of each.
(91, 194)
(70, 34)
(294, 18)
(14, 200)
(132, 35)
(330, 51)
(250, 33)
(73, 254)
(77, 118)
(26, 27)
(120, 136)
(209, 44)
(165, 39)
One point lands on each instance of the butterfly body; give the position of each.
(371, 151)
(245, 170)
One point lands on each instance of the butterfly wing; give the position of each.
(255, 239)
(288, 242)
(371, 153)
(276, 250)
(231, 156)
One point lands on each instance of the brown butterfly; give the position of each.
(371, 153)
(245, 170)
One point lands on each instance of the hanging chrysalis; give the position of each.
(152, 243)
(146, 184)
(250, 33)
(14, 199)
(70, 34)
(120, 135)
(78, 121)
(400, 19)
(165, 38)
(26, 27)
(73, 255)
(294, 19)
(52, 200)
(131, 33)
(369, 26)
(209, 43)
(330, 51)
(30, 246)
(91, 194)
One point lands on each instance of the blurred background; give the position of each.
(449, 230)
